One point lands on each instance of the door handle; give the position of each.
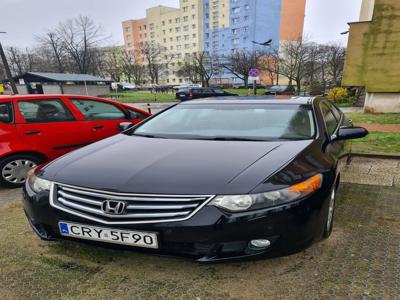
(32, 132)
(98, 127)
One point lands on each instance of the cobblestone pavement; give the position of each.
(361, 260)
(375, 171)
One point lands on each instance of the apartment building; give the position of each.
(215, 26)
(373, 56)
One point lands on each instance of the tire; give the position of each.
(14, 169)
(328, 224)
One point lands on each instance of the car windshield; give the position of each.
(232, 122)
(278, 88)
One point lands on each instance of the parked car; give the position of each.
(215, 179)
(38, 128)
(126, 86)
(280, 90)
(195, 93)
(187, 86)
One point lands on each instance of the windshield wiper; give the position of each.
(227, 138)
(149, 136)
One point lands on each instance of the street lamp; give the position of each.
(264, 44)
(7, 67)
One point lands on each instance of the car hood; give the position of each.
(171, 166)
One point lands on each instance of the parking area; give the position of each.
(361, 259)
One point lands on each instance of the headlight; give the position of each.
(38, 184)
(239, 203)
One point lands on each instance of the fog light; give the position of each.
(259, 244)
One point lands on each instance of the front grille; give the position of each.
(88, 203)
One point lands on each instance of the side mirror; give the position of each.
(349, 133)
(124, 126)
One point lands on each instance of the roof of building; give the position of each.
(63, 77)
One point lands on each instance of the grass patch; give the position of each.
(378, 142)
(361, 118)
(143, 96)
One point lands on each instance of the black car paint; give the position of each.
(211, 234)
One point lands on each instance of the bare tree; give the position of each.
(200, 67)
(132, 69)
(79, 38)
(52, 42)
(21, 61)
(293, 61)
(156, 60)
(240, 62)
(335, 61)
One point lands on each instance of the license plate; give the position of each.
(109, 235)
(182, 95)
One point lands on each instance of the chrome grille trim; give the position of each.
(86, 203)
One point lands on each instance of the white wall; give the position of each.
(382, 103)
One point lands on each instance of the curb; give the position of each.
(376, 155)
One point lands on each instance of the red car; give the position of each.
(38, 128)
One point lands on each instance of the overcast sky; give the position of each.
(25, 19)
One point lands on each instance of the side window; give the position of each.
(219, 91)
(6, 115)
(133, 114)
(97, 110)
(336, 112)
(329, 118)
(43, 111)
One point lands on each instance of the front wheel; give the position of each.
(14, 169)
(331, 211)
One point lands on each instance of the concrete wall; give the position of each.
(93, 90)
(382, 103)
(373, 56)
(367, 10)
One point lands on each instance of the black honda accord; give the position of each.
(211, 179)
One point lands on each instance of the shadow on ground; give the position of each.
(360, 260)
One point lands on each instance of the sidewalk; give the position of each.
(372, 171)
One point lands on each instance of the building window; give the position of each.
(180, 80)
(170, 21)
(171, 39)
(193, 26)
(152, 35)
(177, 29)
(140, 28)
(145, 27)
(145, 35)
(185, 18)
(246, 18)
(194, 45)
(178, 38)
(193, 6)
(126, 29)
(129, 44)
(177, 20)
(165, 40)
(128, 36)
(236, 10)
(207, 45)
(207, 25)
(236, 20)
(163, 31)
(186, 37)
(163, 23)
(170, 30)
(186, 28)
(246, 28)
(151, 26)
(235, 42)
(193, 17)
(236, 31)
(185, 8)
(179, 55)
(178, 47)
(194, 35)
(171, 48)
(187, 46)
(247, 6)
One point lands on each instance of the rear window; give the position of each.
(98, 110)
(232, 121)
(43, 111)
(6, 115)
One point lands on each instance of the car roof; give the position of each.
(47, 96)
(252, 100)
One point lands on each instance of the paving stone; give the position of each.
(370, 179)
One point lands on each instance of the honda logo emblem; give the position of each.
(113, 207)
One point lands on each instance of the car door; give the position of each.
(102, 117)
(8, 130)
(48, 126)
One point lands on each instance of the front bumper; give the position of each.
(211, 234)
